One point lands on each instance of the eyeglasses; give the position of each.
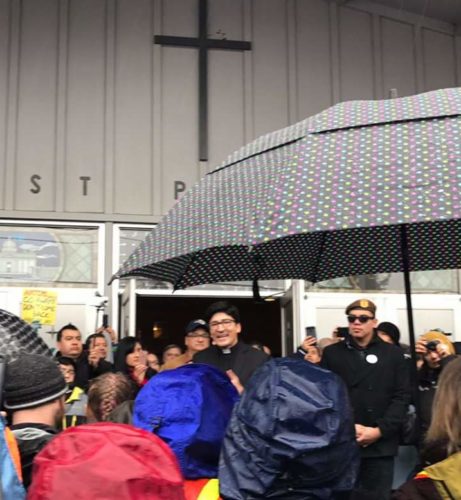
(198, 335)
(224, 322)
(362, 318)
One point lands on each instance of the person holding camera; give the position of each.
(434, 351)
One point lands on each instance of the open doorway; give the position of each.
(162, 320)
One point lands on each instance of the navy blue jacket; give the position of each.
(291, 436)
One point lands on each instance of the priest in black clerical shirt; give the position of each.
(228, 353)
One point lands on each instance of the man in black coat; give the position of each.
(228, 353)
(89, 364)
(376, 375)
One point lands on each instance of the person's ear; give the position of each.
(61, 406)
(89, 414)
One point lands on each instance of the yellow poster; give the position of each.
(40, 306)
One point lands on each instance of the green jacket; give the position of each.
(446, 476)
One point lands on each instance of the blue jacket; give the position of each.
(291, 436)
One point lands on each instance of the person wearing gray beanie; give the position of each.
(34, 396)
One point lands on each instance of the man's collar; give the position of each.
(374, 340)
(229, 350)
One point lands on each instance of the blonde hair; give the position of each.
(106, 392)
(446, 410)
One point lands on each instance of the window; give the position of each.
(48, 255)
(437, 281)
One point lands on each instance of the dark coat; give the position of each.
(242, 359)
(379, 391)
(31, 438)
(85, 372)
(428, 380)
(290, 437)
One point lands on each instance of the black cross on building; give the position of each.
(202, 43)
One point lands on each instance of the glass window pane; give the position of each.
(445, 280)
(48, 256)
(130, 239)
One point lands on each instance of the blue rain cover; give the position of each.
(189, 408)
(291, 436)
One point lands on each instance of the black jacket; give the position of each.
(428, 380)
(85, 372)
(378, 382)
(242, 359)
(31, 438)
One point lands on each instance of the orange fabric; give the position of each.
(14, 451)
(193, 488)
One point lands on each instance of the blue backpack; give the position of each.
(189, 408)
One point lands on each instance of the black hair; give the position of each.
(125, 346)
(64, 360)
(91, 337)
(69, 326)
(224, 307)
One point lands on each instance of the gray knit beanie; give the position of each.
(32, 380)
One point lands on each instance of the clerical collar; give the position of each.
(229, 350)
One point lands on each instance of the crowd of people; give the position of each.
(223, 419)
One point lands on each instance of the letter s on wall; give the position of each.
(37, 188)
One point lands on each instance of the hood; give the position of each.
(447, 472)
(292, 431)
(189, 408)
(106, 461)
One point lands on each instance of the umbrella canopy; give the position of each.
(324, 198)
(17, 336)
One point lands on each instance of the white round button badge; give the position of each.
(372, 359)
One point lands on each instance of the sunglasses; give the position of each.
(362, 318)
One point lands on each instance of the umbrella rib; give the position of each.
(258, 153)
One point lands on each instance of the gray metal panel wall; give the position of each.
(36, 108)
(4, 74)
(98, 123)
(133, 108)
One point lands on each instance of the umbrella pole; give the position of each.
(407, 284)
(411, 329)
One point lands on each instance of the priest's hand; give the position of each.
(235, 381)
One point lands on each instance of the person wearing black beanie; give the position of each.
(389, 332)
(34, 396)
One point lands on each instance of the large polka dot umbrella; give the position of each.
(344, 192)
